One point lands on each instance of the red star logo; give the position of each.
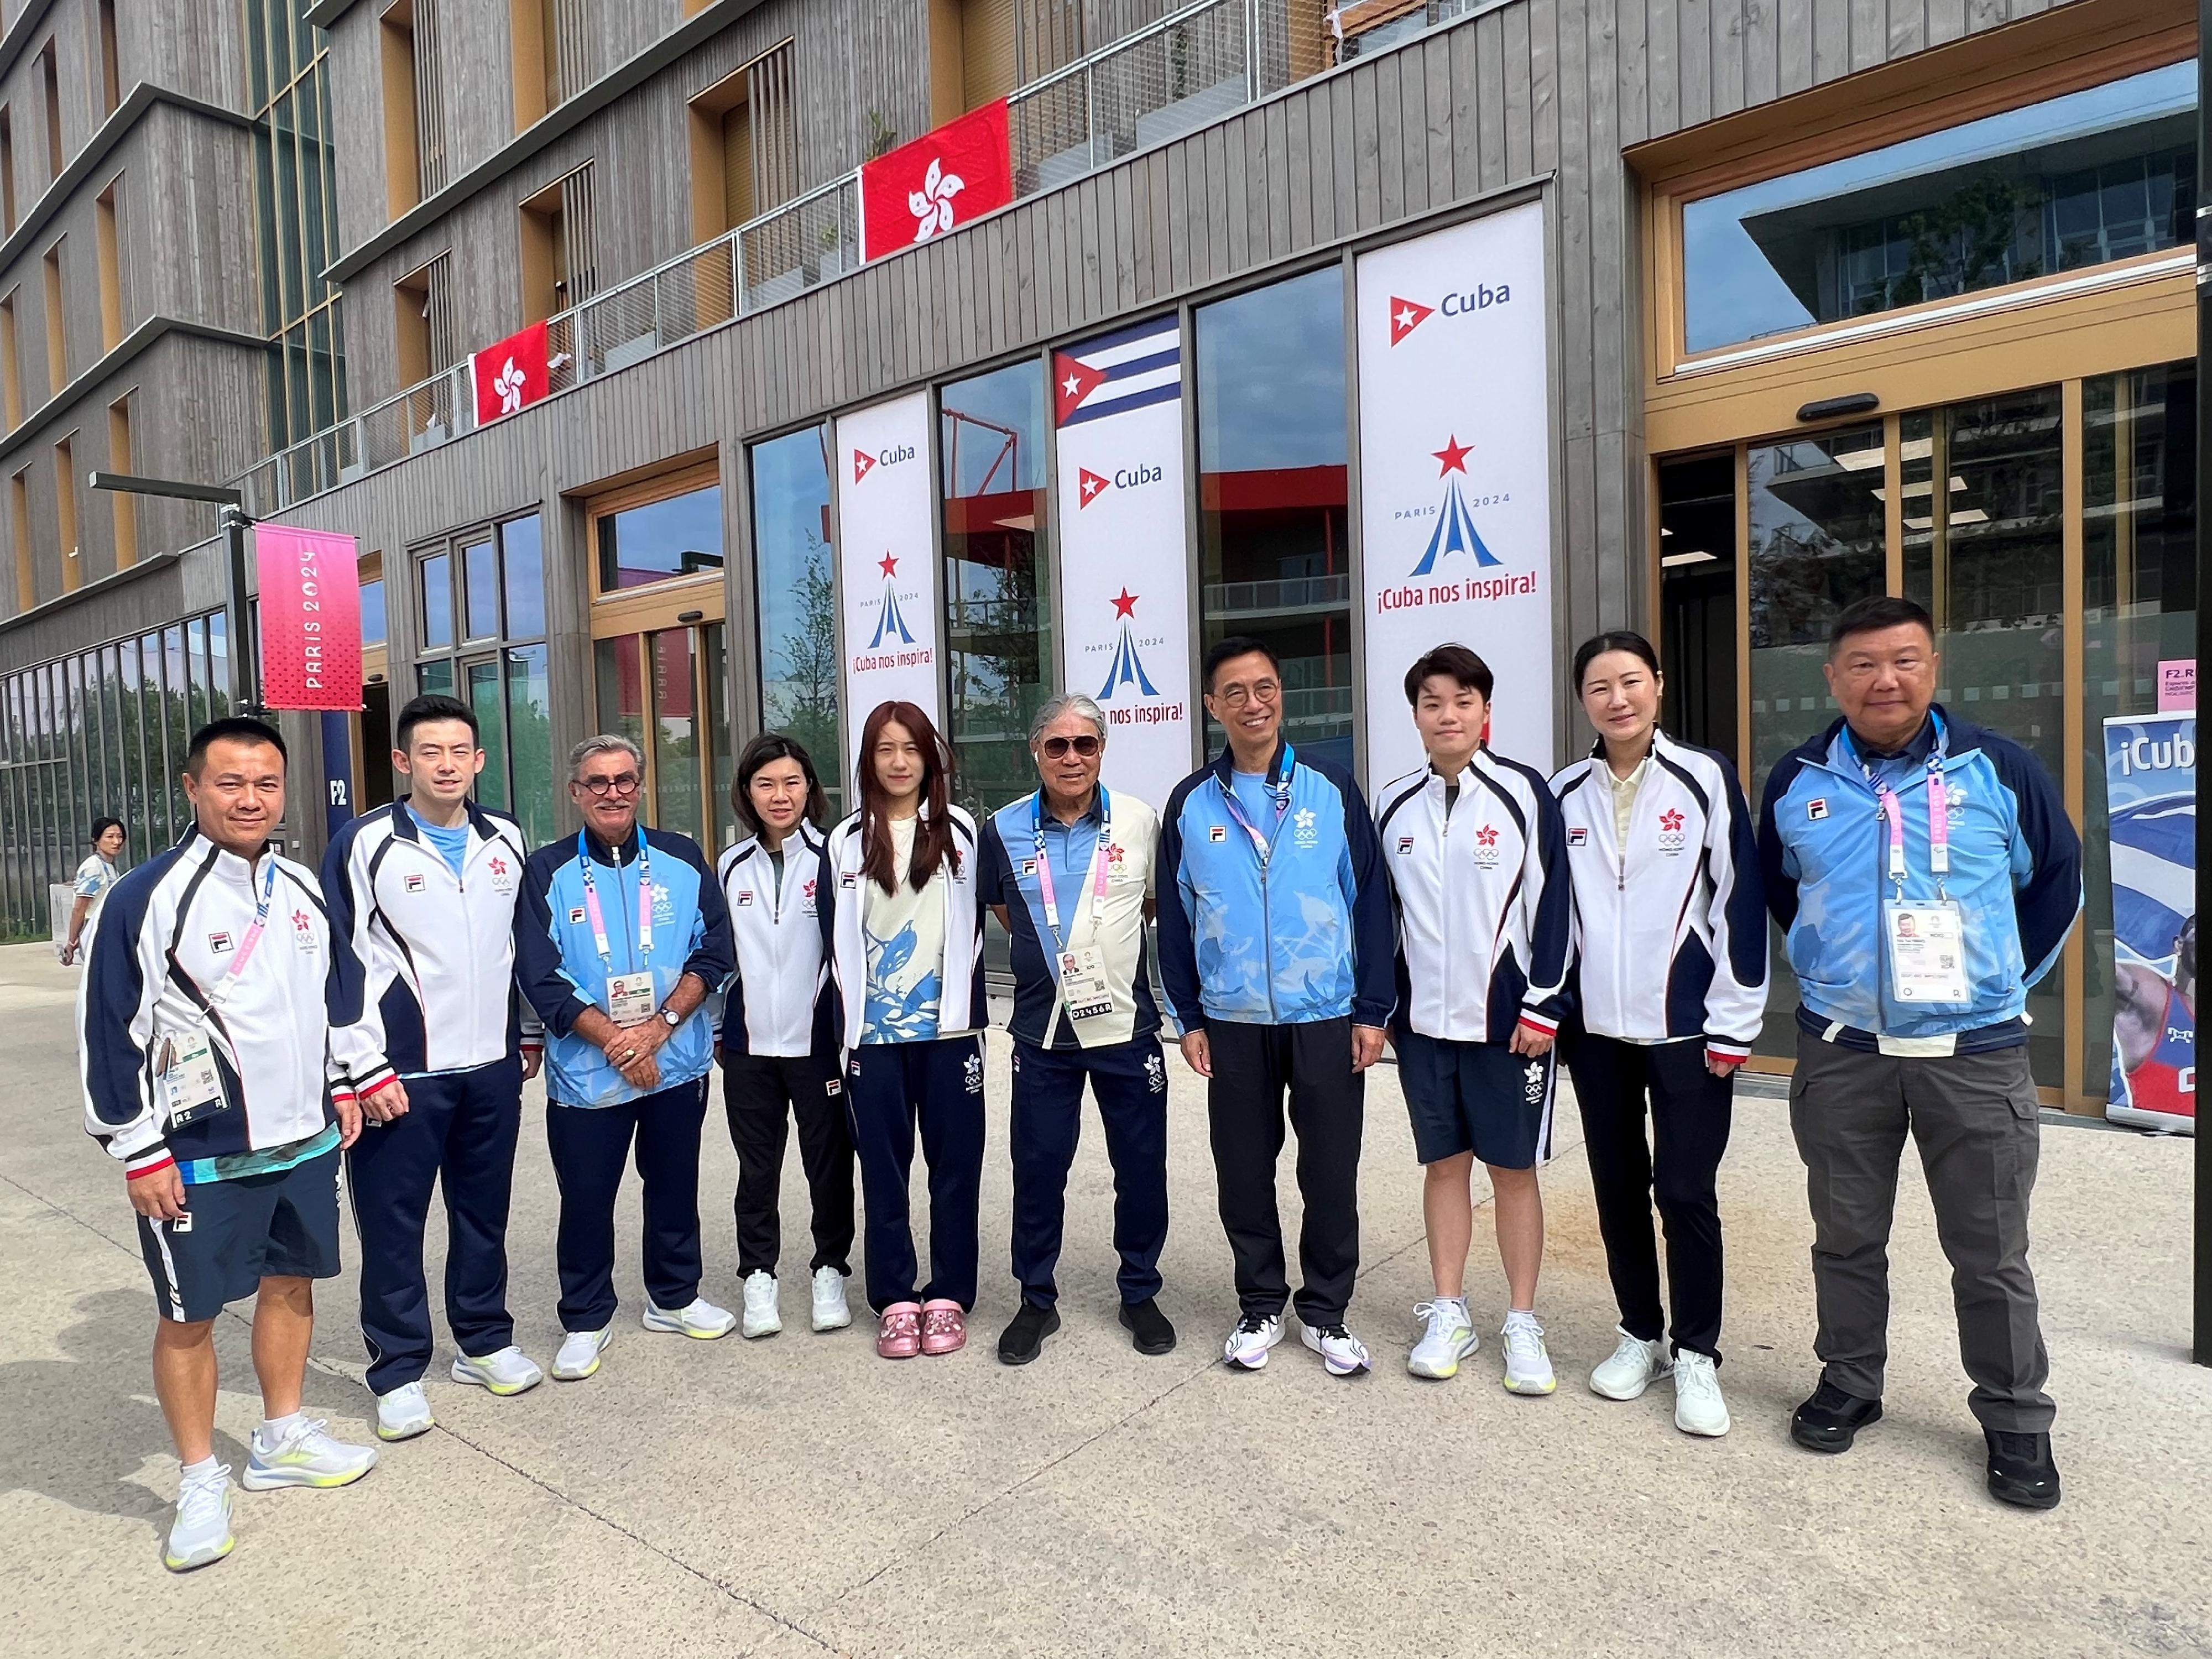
(1486, 835)
(1406, 316)
(1453, 456)
(888, 565)
(1670, 821)
(1125, 603)
(1092, 486)
(1072, 382)
(861, 463)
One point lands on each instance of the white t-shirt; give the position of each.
(903, 933)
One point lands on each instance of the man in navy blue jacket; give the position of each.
(1276, 948)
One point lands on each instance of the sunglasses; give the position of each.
(1057, 748)
(623, 783)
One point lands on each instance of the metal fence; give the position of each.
(1191, 68)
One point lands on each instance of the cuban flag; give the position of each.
(1130, 368)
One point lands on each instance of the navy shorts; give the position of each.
(1479, 1097)
(235, 1233)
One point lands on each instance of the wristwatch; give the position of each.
(671, 1018)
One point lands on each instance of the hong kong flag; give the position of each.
(941, 180)
(509, 374)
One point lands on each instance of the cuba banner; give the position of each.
(308, 589)
(1455, 476)
(1124, 554)
(2150, 784)
(887, 561)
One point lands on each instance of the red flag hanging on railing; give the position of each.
(510, 373)
(310, 616)
(944, 179)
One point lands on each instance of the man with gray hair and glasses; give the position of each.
(1068, 872)
(619, 934)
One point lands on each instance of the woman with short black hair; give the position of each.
(94, 878)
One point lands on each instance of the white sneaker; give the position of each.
(762, 1318)
(1248, 1345)
(404, 1413)
(830, 1311)
(700, 1318)
(201, 1532)
(579, 1356)
(1527, 1364)
(1698, 1408)
(508, 1371)
(306, 1456)
(1449, 1338)
(1343, 1354)
(1635, 1366)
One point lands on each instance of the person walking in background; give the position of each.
(907, 950)
(95, 876)
(1926, 875)
(425, 890)
(1478, 868)
(781, 1055)
(205, 1020)
(619, 937)
(1276, 952)
(1068, 872)
(1670, 986)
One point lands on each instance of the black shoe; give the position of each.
(1831, 1419)
(1149, 1330)
(1023, 1339)
(2020, 1469)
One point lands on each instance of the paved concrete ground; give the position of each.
(800, 1497)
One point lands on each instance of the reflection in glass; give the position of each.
(373, 625)
(1696, 592)
(2139, 522)
(529, 742)
(2106, 174)
(998, 595)
(680, 536)
(1273, 496)
(720, 758)
(522, 557)
(675, 735)
(618, 671)
(438, 599)
(480, 589)
(483, 698)
(435, 676)
(176, 720)
(796, 599)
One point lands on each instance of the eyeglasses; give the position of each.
(1057, 748)
(1239, 695)
(622, 783)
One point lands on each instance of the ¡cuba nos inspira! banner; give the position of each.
(1124, 562)
(885, 554)
(1455, 475)
(2150, 782)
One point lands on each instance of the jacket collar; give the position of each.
(1281, 767)
(402, 819)
(220, 860)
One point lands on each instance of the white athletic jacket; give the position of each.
(961, 1006)
(1482, 900)
(779, 1002)
(170, 930)
(437, 949)
(1670, 934)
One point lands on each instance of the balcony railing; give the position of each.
(1278, 595)
(1189, 68)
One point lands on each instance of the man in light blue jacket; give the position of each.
(1926, 876)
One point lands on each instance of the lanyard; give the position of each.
(644, 899)
(245, 946)
(1938, 821)
(1263, 844)
(1095, 877)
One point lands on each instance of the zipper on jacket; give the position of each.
(1444, 887)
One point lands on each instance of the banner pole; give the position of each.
(245, 665)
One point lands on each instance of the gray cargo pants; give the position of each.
(1976, 1118)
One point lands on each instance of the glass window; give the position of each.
(796, 599)
(1273, 495)
(2139, 523)
(480, 589)
(177, 720)
(436, 676)
(1696, 592)
(680, 536)
(530, 741)
(675, 735)
(219, 661)
(522, 557)
(618, 668)
(485, 698)
(372, 631)
(438, 599)
(997, 598)
(2092, 176)
(714, 667)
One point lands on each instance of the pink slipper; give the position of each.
(900, 1337)
(943, 1326)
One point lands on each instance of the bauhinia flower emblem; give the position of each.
(932, 205)
(509, 384)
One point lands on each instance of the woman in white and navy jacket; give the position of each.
(1670, 979)
(781, 1048)
(907, 952)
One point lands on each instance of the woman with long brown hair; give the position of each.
(908, 954)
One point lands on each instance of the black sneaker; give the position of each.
(1149, 1330)
(2020, 1469)
(1023, 1339)
(1831, 1419)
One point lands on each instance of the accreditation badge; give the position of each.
(189, 1079)
(1927, 940)
(631, 999)
(1082, 983)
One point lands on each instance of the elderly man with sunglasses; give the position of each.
(1068, 872)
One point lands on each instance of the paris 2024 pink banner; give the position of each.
(310, 617)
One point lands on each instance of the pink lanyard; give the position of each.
(1099, 860)
(644, 900)
(1939, 825)
(245, 946)
(1281, 791)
